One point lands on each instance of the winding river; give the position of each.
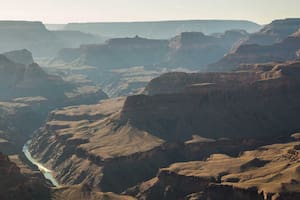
(46, 172)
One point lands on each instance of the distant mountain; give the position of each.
(188, 50)
(288, 49)
(123, 66)
(35, 37)
(77, 38)
(161, 29)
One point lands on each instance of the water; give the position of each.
(48, 174)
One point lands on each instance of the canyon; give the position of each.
(133, 118)
(120, 142)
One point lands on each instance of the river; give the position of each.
(48, 174)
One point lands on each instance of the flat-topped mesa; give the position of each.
(135, 42)
(126, 52)
(20, 25)
(246, 75)
(215, 106)
(187, 50)
(178, 82)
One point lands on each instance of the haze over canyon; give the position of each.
(150, 109)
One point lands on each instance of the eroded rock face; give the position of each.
(270, 172)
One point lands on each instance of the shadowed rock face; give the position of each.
(283, 51)
(272, 172)
(17, 122)
(189, 49)
(17, 186)
(234, 107)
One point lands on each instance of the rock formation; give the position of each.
(118, 143)
(274, 32)
(188, 50)
(18, 186)
(17, 122)
(288, 49)
(270, 172)
(20, 56)
(20, 79)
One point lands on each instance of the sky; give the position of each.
(64, 11)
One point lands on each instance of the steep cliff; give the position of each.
(226, 108)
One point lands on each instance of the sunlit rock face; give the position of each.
(269, 172)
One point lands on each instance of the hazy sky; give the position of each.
(63, 11)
